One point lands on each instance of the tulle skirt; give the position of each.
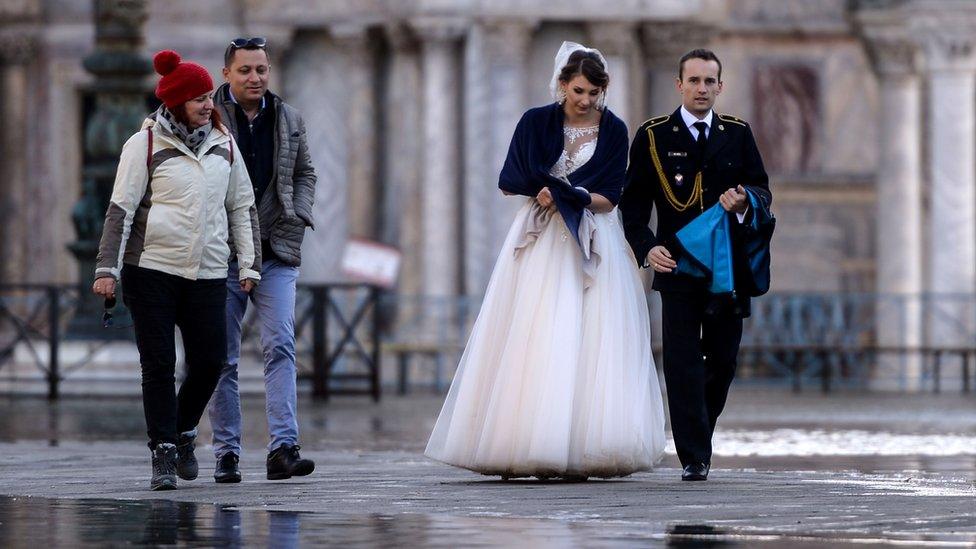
(557, 379)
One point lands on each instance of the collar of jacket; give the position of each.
(216, 137)
(223, 98)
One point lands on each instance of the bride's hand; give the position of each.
(544, 198)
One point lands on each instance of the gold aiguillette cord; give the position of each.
(696, 190)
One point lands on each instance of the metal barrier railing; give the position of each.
(342, 344)
(827, 339)
(844, 366)
(32, 316)
(344, 330)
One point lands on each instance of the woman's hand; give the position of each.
(544, 198)
(104, 287)
(247, 285)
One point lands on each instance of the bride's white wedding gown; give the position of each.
(557, 378)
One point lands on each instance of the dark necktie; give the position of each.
(702, 138)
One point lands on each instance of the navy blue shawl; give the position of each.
(535, 148)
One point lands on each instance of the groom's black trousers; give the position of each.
(699, 363)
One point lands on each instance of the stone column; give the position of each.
(899, 281)
(19, 45)
(617, 42)
(664, 44)
(15, 52)
(950, 53)
(364, 206)
(403, 219)
(440, 137)
(495, 98)
(310, 84)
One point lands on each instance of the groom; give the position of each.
(682, 164)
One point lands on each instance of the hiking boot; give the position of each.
(227, 470)
(284, 462)
(186, 463)
(164, 467)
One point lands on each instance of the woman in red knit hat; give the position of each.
(178, 195)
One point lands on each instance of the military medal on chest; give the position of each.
(679, 179)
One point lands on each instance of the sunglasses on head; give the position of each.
(253, 42)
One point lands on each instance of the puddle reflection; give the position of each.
(33, 522)
(697, 535)
(38, 522)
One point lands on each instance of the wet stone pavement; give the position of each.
(790, 471)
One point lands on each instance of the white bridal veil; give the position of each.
(562, 57)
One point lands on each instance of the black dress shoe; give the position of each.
(227, 470)
(284, 462)
(695, 471)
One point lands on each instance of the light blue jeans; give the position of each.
(274, 298)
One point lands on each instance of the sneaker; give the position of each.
(186, 463)
(284, 462)
(164, 467)
(227, 470)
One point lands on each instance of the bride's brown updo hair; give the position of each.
(589, 65)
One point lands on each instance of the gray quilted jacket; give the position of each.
(286, 208)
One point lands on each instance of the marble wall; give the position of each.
(350, 76)
(410, 105)
(786, 102)
(313, 83)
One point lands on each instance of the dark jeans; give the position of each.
(160, 302)
(699, 363)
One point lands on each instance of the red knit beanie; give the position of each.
(181, 81)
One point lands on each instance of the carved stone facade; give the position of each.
(410, 105)
(19, 48)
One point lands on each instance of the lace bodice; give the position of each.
(578, 147)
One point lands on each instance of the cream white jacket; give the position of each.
(171, 209)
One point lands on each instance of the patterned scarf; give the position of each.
(191, 138)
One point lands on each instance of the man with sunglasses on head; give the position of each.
(271, 137)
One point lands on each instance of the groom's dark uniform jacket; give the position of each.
(669, 173)
(730, 158)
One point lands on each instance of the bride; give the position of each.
(557, 378)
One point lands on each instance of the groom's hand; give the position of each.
(734, 200)
(660, 260)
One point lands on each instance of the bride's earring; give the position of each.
(560, 96)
